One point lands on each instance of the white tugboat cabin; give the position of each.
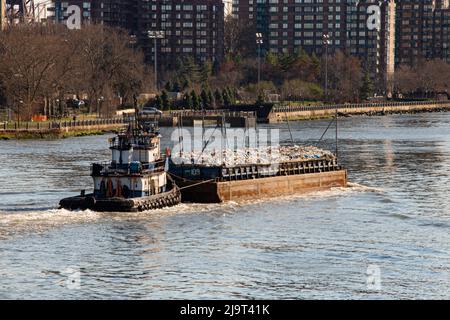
(136, 169)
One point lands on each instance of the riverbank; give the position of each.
(281, 114)
(36, 135)
(63, 129)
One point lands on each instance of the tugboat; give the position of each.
(135, 179)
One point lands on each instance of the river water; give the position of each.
(386, 236)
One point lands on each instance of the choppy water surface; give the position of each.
(395, 218)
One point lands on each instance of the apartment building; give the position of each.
(189, 27)
(290, 25)
(422, 30)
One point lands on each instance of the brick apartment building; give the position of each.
(422, 30)
(190, 27)
(288, 25)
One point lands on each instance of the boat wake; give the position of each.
(361, 188)
(17, 221)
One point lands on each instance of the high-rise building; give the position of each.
(442, 34)
(291, 25)
(187, 27)
(414, 30)
(190, 27)
(118, 13)
(422, 30)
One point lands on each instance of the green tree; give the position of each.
(204, 99)
(168, 86)
(187, 101)
(195, 100)
(185, 85)
(271, 58)
(158, 102)
(176, 87)
(211, 99)
(218, 98)
(165, 100)
(188, 70)
(226, 98)
(366, 89)
(230, 94)
(205, 72)
(285, 61)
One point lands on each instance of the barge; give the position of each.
(134, 180)
(215, 184)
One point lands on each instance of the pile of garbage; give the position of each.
(263, 155)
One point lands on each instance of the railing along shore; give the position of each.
(359, 105)
(62, 125)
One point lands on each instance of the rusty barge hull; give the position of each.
(259, 188)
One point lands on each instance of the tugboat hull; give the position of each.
(162, 200)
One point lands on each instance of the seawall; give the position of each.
(61, 130)
(281, 113)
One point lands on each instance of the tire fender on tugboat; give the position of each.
(90, 201)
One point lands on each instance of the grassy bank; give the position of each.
(50, 135)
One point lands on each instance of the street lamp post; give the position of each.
(156, 35)
(259, 42)
(326, 42)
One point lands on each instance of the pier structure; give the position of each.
(189, 118)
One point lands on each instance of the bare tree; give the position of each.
(26, 66)
(425, 79)
(41, 64)
(239, 38)
(345, 75)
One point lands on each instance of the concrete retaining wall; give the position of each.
(280, 114)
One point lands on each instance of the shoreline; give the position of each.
(35, 135)
(305, 115)
(57, 134)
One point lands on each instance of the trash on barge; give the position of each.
(248, 174)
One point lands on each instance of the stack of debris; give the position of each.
(263, 155)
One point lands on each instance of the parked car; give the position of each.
(74, 103)
(151, 110)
